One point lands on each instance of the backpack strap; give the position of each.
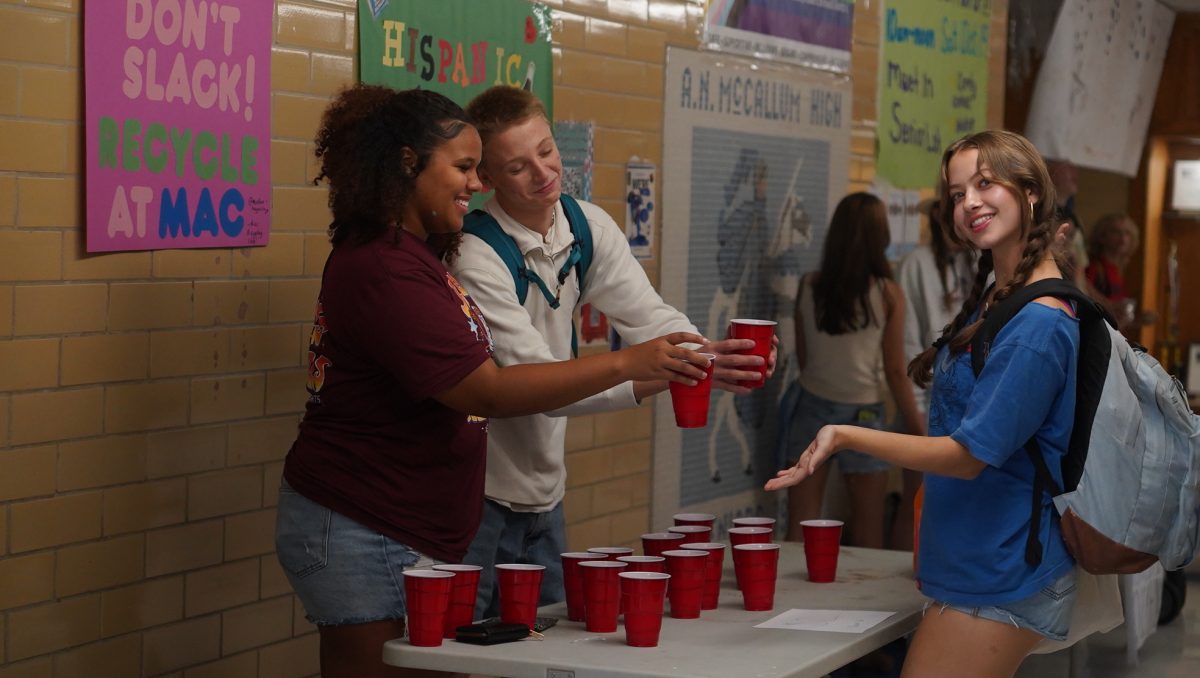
(1089, 312)
(582, 231)
(484, 226)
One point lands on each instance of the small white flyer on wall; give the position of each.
(640, 206)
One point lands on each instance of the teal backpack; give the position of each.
(484, 226)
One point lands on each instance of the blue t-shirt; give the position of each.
(973, 532)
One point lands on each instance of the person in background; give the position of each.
(849, 321)
(526, 469)
(386, 473)
(935, 279)
(991, 605)
(1114, 240)
(1074, 254)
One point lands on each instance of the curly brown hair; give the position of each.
(361, 147)
(1015, 164)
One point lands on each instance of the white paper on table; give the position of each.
(838, 621)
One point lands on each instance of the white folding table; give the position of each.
(721, 643)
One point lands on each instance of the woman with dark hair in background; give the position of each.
(849, 321)
(387, 471)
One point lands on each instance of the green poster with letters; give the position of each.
(933, 82)
(456, 47)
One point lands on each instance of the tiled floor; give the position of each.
(1173, 651)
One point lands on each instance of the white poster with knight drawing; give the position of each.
(755, 157)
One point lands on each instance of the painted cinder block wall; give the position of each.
(147, 398)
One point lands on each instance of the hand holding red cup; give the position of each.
(762, 332)
(691, 402)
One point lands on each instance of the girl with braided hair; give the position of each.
(991, 605)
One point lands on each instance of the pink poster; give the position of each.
(178, 112)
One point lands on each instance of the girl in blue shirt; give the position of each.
(992, 607)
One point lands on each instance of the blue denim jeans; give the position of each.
(507, 536)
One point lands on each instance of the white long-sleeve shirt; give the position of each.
(526, 467)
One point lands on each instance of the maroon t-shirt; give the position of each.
(392, 329)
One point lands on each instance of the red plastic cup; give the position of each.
(757, 565)
(601, 594)
(642, 595)
(694, 533)
(712, 572)
(761, 331)
(822, 541)
(750, 535)
(426, 598)
(520, 586)
(686, 587)
(754, 521)
(462, 596)
(654, 543)
(691, 402)
(573, 581)
(644, 563)
(611, 552)
(705, 519)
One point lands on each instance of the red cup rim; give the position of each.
(753, 321)
(703, 546)
(611, 549)
(757, 547)
(694, 516)
(750, 530)
(684, 553)
(581, 555)
(756, 521)
(457, 567)
(640, 559)
(602, 563)
(688, 529)
(644, 575)
(428, 574)
(821, 523)
(662, 535)
(520, 567)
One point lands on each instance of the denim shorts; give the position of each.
(1047, 612)
(813, 412)
(343, 572)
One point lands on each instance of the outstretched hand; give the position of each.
(663, 358)
(733, 367)
(821, 448)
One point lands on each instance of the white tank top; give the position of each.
(844, 368)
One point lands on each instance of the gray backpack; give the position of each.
(1132, 468)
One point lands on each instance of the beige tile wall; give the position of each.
(147, 398)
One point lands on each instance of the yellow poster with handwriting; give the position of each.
(932, 84)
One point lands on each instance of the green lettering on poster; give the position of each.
(456, 47)
(933, 83)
